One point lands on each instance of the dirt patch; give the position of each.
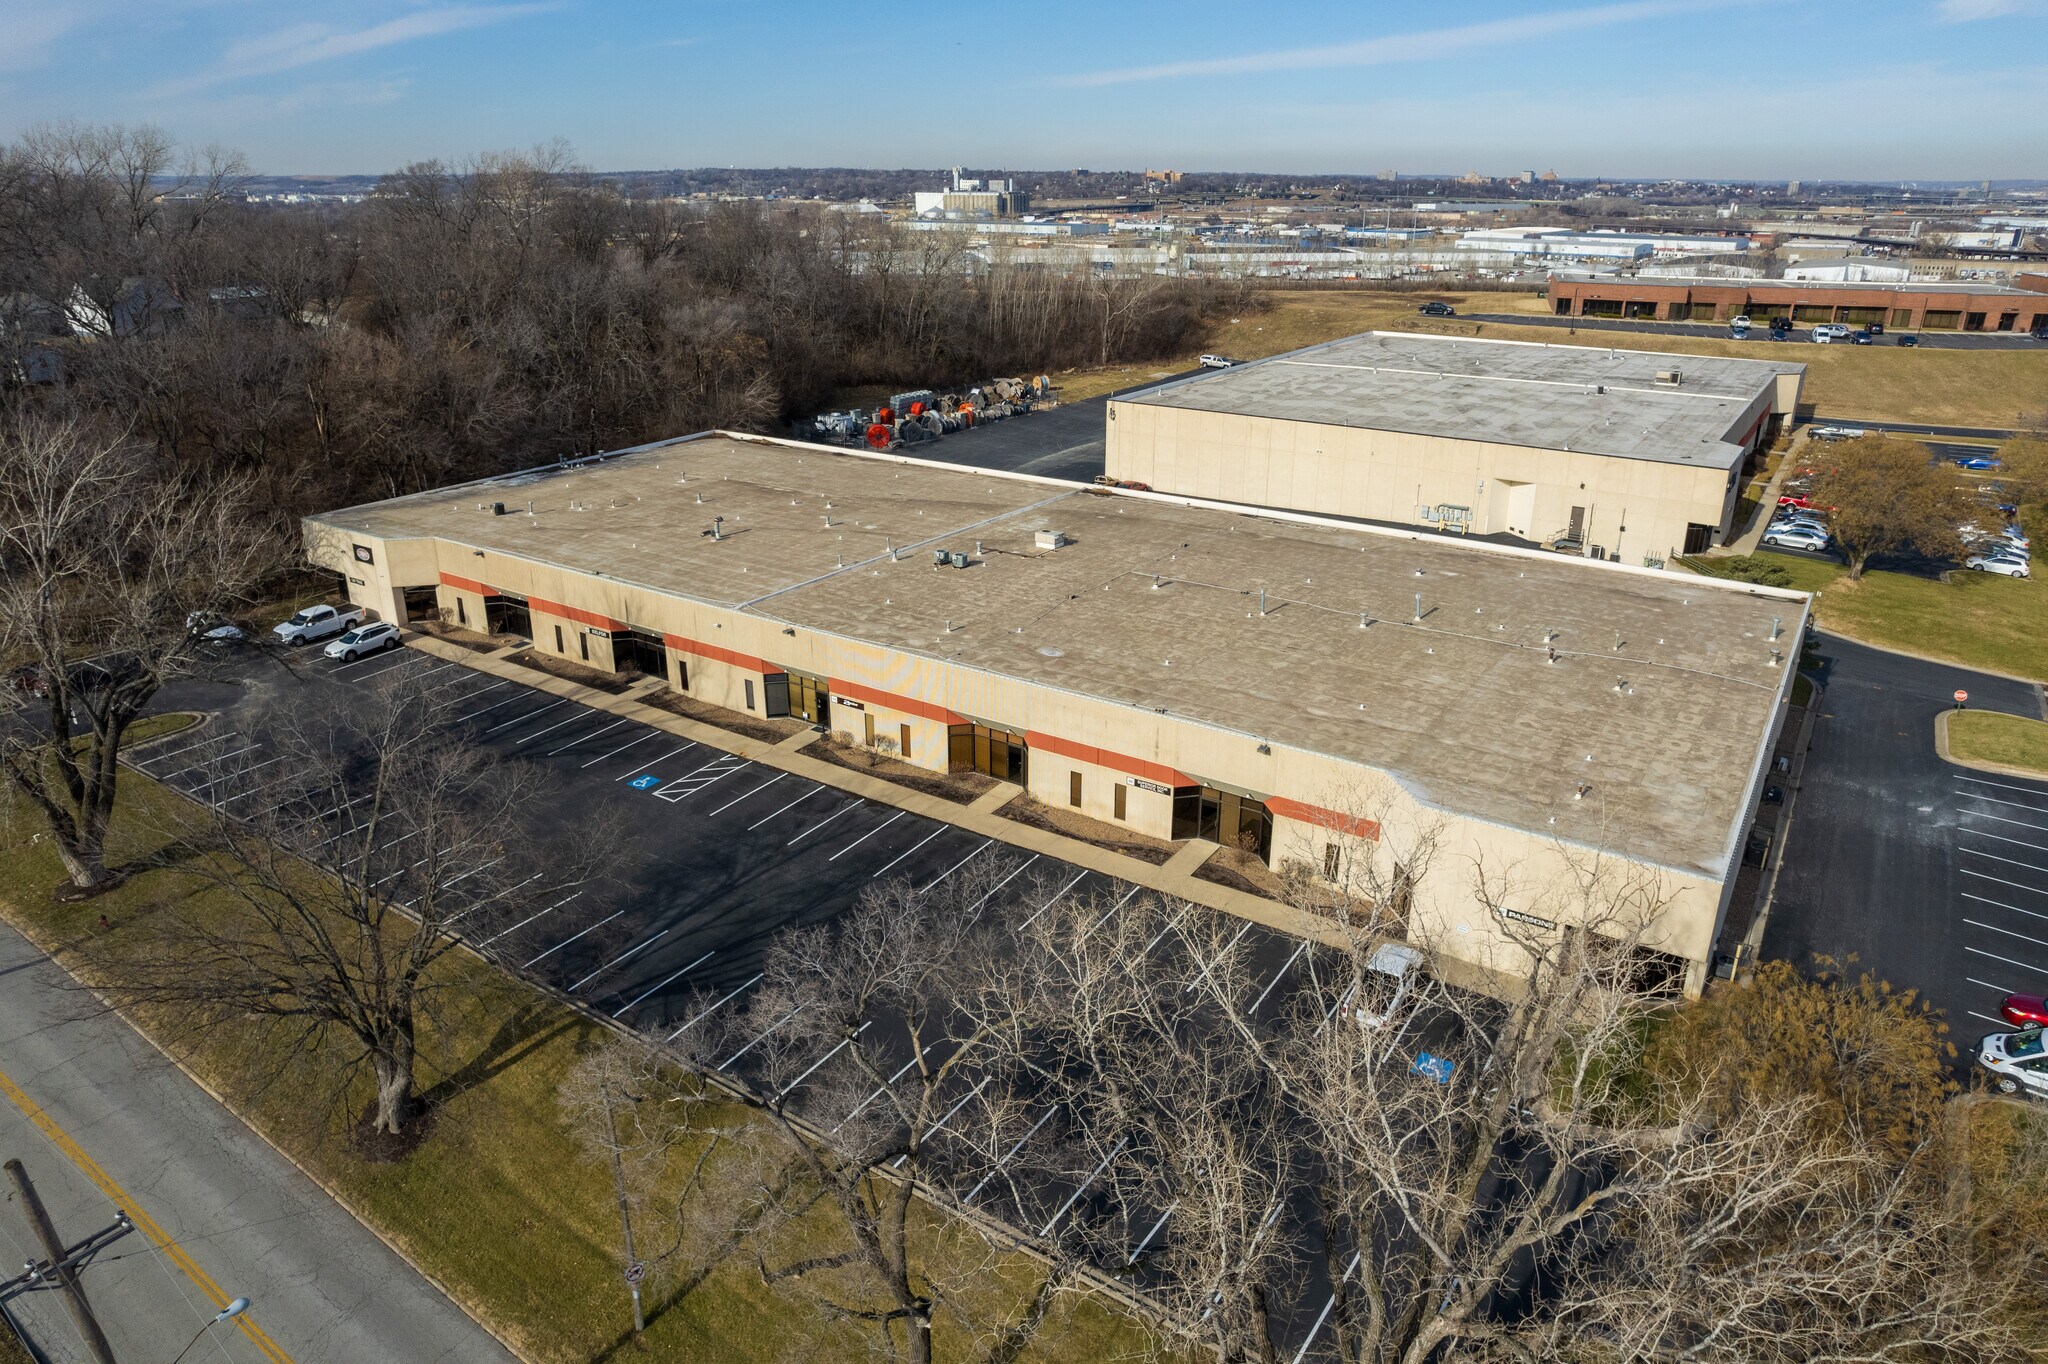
(574, 672)
(1037, 814)
(461, 638)
(959, 787)
(753, 727)
(1242, 871)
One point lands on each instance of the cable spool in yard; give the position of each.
(885, 414)
(917, 409)
(878, 437)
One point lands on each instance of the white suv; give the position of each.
(364, 639)
(1829, 331)
(2017, 1062)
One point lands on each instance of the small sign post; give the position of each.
(1962, 698)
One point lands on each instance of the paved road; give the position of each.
(243, 1221)
(1762, 335)
(1924, 429)
(1933, 876)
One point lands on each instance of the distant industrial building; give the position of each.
(1618, 246)
(969, 198)
(1628, 456)
(1931, 306)
(1320, 696)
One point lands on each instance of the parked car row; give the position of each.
(1798, 526)
(2005, 550)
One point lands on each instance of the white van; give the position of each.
(1829, 331)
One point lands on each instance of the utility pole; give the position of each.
(67, 1278)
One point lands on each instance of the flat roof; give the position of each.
(1660, 696)
(1529, 393)
(1917, 286)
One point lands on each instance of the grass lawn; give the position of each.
(1975, 619)
(1883, 383)
(1986, 736)
(498, 1201)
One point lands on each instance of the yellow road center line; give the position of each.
(146, 1224)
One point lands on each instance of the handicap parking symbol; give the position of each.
(646, 783)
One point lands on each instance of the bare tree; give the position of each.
(107, 561)
(344, 884)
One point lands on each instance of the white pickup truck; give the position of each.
(318, 622)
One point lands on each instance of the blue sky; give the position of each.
(1874, 89)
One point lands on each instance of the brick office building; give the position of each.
(1939, 306)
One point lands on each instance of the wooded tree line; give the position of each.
(468, 317)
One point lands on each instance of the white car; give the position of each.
(1741, 321)
(2017, 1062)
(2005, 565)
(1217, 362)
(1829, 331)
(364, 639)
(317, 622)
(1797, 537)
(1835, 432)
(1399, 961)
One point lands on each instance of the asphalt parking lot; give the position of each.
(1929, 875)
(715, 855)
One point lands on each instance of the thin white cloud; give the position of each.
(1963, 11)
(307, 44)
(1427, 45)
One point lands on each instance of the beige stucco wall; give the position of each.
(1635, 508)
(1106, 742)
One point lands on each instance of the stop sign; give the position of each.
(1961, 696)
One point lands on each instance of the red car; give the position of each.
(2020, 1010)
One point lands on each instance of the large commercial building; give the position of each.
(1946, 305)
(1310, 691)
(1628, 456)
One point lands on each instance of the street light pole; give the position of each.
(233, 1309)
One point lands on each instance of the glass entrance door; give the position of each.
(981, 748)
(507, 615)
(642, 651)
(1223, 817)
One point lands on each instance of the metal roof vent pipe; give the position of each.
(718, 528)
(978, 549)
(1777, 626)
(1418, 606)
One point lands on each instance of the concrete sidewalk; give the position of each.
(1176, 878)
(1753, 534)
(104, 1122)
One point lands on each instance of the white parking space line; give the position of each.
(1987, 985)
(2016, 804)
(406, 658)
(466, 697)
(1139, 1249)
(514, 888)
(853, 804)
(2009, 861)
(1980, 814)
(2016, 885)
(540, 914)
(2000, 904)
(574, 719)
(622, 748)
(1315, 1327)
(1126, 899)
(238, 772)
(690, 783)
(2024, 966)
(761, 1036)
(844, 1043)
(1989, 1019)
(1004, 882)
(387, 843)
(1058, 896)
(592, 735)
(1075, 1197)
(711, 1009)
(1228, 948)
(1044, 1118)
(920, 843)
(866, 836)
(662, 759)
(455, 880)
(2005, 785)
(522, 719)
(940, 1125)
(956, 866)
(756, 791)
(1285, 967)
(201, 765)
(664, 981)
(572, 938)
(2016, 842)
(882, 1088)
(792, 805)
(622, 959)
(486, 710)
(214, 738)
(1994, 928)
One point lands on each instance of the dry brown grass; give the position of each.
(1879, 383)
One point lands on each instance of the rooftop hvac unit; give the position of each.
(1049, 539)
(959, 559)
(497, 508)
(1668, 377)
